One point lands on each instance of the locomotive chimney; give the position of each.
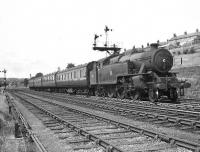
(197, 30)
(174, 34)
(154, 45)
(185, 32)
(158, 42)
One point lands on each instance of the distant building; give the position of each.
(185, 39)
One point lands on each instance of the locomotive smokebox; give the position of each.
(155, 59)
(162, 60)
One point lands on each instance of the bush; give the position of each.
(192, 50)
(185, 51)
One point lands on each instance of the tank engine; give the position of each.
(138, 75)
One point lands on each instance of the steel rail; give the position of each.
(163, 137)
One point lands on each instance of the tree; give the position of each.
(25, 82)
(70, 65)
(38, 75)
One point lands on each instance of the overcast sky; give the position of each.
(42, 35)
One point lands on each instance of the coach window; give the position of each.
(84, 70)
(78, 74)
(74, 74)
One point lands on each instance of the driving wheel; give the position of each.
(153, 95)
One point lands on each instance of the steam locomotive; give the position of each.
(133, 74)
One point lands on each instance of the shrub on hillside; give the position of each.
(192, 51)
(185, 51)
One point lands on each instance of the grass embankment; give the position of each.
(8, 142)
(6, 127)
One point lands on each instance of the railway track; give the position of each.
(93, 131)
(189, 104)
(172, 118)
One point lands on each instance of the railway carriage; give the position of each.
(73, 80)
(48, 82)
(38, 83)
(31, 83)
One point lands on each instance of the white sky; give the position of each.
(41, 35)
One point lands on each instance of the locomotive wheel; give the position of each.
(96, 93)
(173, 95)
(103, 94)
(110, 93)
(134, 95)
(121, 93)
(153, 96)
